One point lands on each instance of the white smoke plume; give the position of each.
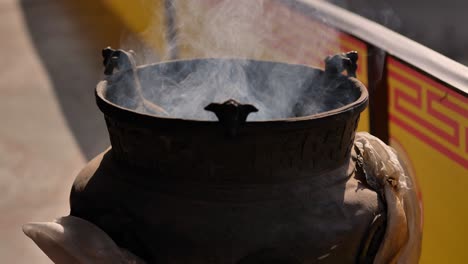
(245, 29)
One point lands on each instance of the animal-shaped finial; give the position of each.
(117, 59)
(336, 64)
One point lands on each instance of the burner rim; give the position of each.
(113, 110)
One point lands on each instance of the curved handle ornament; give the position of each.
(336, 64)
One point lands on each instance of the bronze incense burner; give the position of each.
(233, 187)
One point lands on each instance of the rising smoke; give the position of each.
(249, 29)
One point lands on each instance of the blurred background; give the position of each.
(50, 64)
(439, 25)
(51, 127)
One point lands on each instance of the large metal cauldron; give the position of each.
(175, 190)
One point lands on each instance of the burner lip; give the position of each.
(127, 115)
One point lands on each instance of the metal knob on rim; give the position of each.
(231, 114)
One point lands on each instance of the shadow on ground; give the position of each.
(68, 37)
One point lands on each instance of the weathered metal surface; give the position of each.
(178, 191)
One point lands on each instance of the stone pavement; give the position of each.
(50, 126)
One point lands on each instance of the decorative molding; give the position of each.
(429, 110)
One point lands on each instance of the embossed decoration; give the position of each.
(277, 190)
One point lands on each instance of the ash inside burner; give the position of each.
(183, 88)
